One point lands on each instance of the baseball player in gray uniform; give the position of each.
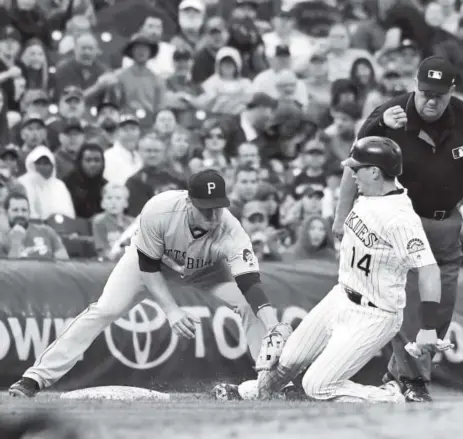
(183, 236)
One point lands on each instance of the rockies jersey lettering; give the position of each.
(163, 233)
(383, 239)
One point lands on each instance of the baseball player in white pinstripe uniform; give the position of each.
(182, 237)
(383, 239)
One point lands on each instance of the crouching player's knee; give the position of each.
(316, 386)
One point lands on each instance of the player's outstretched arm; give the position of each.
(182, 323)
(347, 194)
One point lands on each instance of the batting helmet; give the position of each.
(376, 151)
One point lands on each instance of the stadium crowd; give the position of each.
(105, 103)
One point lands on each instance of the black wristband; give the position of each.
(429, 316)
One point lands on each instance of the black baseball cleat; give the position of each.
(292, 392)
(226, 392)
(414, 390)
(24, 388)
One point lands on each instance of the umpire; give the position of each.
(426, 123)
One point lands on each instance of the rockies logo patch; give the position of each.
(415, 245)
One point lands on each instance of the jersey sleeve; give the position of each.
(238, 252)
(411, 244)
(149, 236)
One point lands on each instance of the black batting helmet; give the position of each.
(376, 151)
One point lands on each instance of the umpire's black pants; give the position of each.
(444, 238)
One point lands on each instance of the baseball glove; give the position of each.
(272, 346)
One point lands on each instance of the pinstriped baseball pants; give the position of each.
(333, 342)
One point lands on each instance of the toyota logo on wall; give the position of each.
(145, 322)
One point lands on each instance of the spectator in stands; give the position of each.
(71, 140)
(213, 156)
(35, 101)
(180, 152)
(25, 239)
(310, 166)
(226, 91)
(33, 133)
(108, 226)
(272, 80)
(75, 27)
(4, 192)
(161, 63)
(251, 123)
(204, 59)
(301, 46)
(5, 134)
(107, 120)
(71, 106)
(122, 160)
(85, 71)
(35, 67)
(341, 56)
(85, 183)
(314, 241)
(244, 189)
(191, 14)
(10, 72)
(341, 134)
(450, 16)
(80, 8)
(46, 193)
(248, 155)
(155, 173)
(141, 89)
(9, 165)
(30, 20)
(363, 76)
(165, 124)
(310, 204)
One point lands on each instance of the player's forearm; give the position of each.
(267, 315)
(347, 194)
(157, 286)
(429, 284)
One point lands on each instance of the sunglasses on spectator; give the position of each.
(314, 152)
(256, 218)
(215, 136)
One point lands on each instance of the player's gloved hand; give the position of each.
(395, 117)
(272, 346)
(183, 323)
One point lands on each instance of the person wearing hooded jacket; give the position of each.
(314, 241)
(86, 181)
(226, 91)
(47, 194)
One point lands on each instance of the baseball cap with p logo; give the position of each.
(206, 190)
(437, 75)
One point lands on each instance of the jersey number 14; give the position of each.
(363, 264)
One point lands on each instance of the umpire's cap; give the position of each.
(206, 190)
(376, 151)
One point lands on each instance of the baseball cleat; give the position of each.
(415, 390)
(387, 377)
(24, 388)
(292, 392)
(394, 389)
(226, 392)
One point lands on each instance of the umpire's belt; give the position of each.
(357, 298)
(437, 215)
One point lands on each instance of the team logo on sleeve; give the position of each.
(249, 258)
(415, 245)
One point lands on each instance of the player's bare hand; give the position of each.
(183, 323)
(395, 117)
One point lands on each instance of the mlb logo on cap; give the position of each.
(457, 153)
(434, 74)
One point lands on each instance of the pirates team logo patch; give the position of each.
(249, 258)
(457, 153)
(415, 245)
